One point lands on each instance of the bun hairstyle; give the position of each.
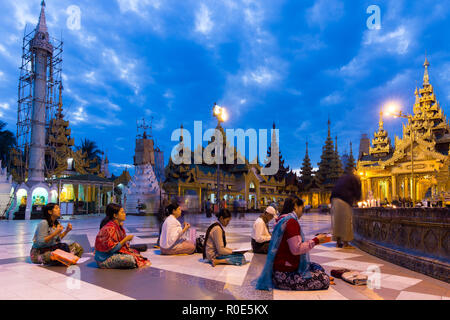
(111, 210)
(47, 215)
(171, 208)
(290, 203)
(224, 214)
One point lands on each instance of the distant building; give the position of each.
(364, 145)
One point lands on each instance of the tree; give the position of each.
(7, 143)
(91, 149)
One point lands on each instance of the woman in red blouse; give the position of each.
(287, 265)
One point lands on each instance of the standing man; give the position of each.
(345, 193)
(208, 208)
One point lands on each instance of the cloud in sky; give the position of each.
(138, 6)
(324, 12)
(266, 61)
(332, 99)
(203, 22)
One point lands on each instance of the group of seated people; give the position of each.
(287, 265)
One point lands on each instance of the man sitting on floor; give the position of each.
(260, 233)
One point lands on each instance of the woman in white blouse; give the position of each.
(172, 240)
(260, 233)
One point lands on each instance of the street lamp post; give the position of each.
(400, 114)
(221, 115)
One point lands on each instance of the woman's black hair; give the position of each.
(289, 204)
(223, 213)
(111, 210)
(47, 215)
(171, 208)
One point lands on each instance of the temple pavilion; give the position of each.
(417, 166)
(197, 183)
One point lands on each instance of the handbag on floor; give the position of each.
(338, 273)
(66, 258)
(354, 277)
(139, 247)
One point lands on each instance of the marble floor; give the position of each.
(187, 277)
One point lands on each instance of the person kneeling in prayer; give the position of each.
(260, 233)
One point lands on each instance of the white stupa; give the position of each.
(143, 189)
(5, 190)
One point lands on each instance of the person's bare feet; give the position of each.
(213, 263)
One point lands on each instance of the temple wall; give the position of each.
(415, 238)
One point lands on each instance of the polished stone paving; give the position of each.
(187, 277)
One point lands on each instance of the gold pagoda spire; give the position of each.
(380, 123)
(381, 142)
(426, 76)
(329, 125)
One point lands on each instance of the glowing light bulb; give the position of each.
(224, 115)
(217, 110)
(392, 108)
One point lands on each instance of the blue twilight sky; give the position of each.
(293, 62)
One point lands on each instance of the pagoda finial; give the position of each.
(381, 123)
(274, 125)
(329, 125)
(42, 24)
(336, 145)
(351, 149)
(306, 146)
(426, 77)
(181, 135)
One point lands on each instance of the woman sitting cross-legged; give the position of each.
(215, 249)
(260, 232)
(48, 236)
(171, 241)
(287, 266)
(112, 250)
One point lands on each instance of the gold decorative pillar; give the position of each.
(388, 191)
(394, 187)
(363, 189)
(405, 187)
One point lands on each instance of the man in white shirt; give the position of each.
(260, 233)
